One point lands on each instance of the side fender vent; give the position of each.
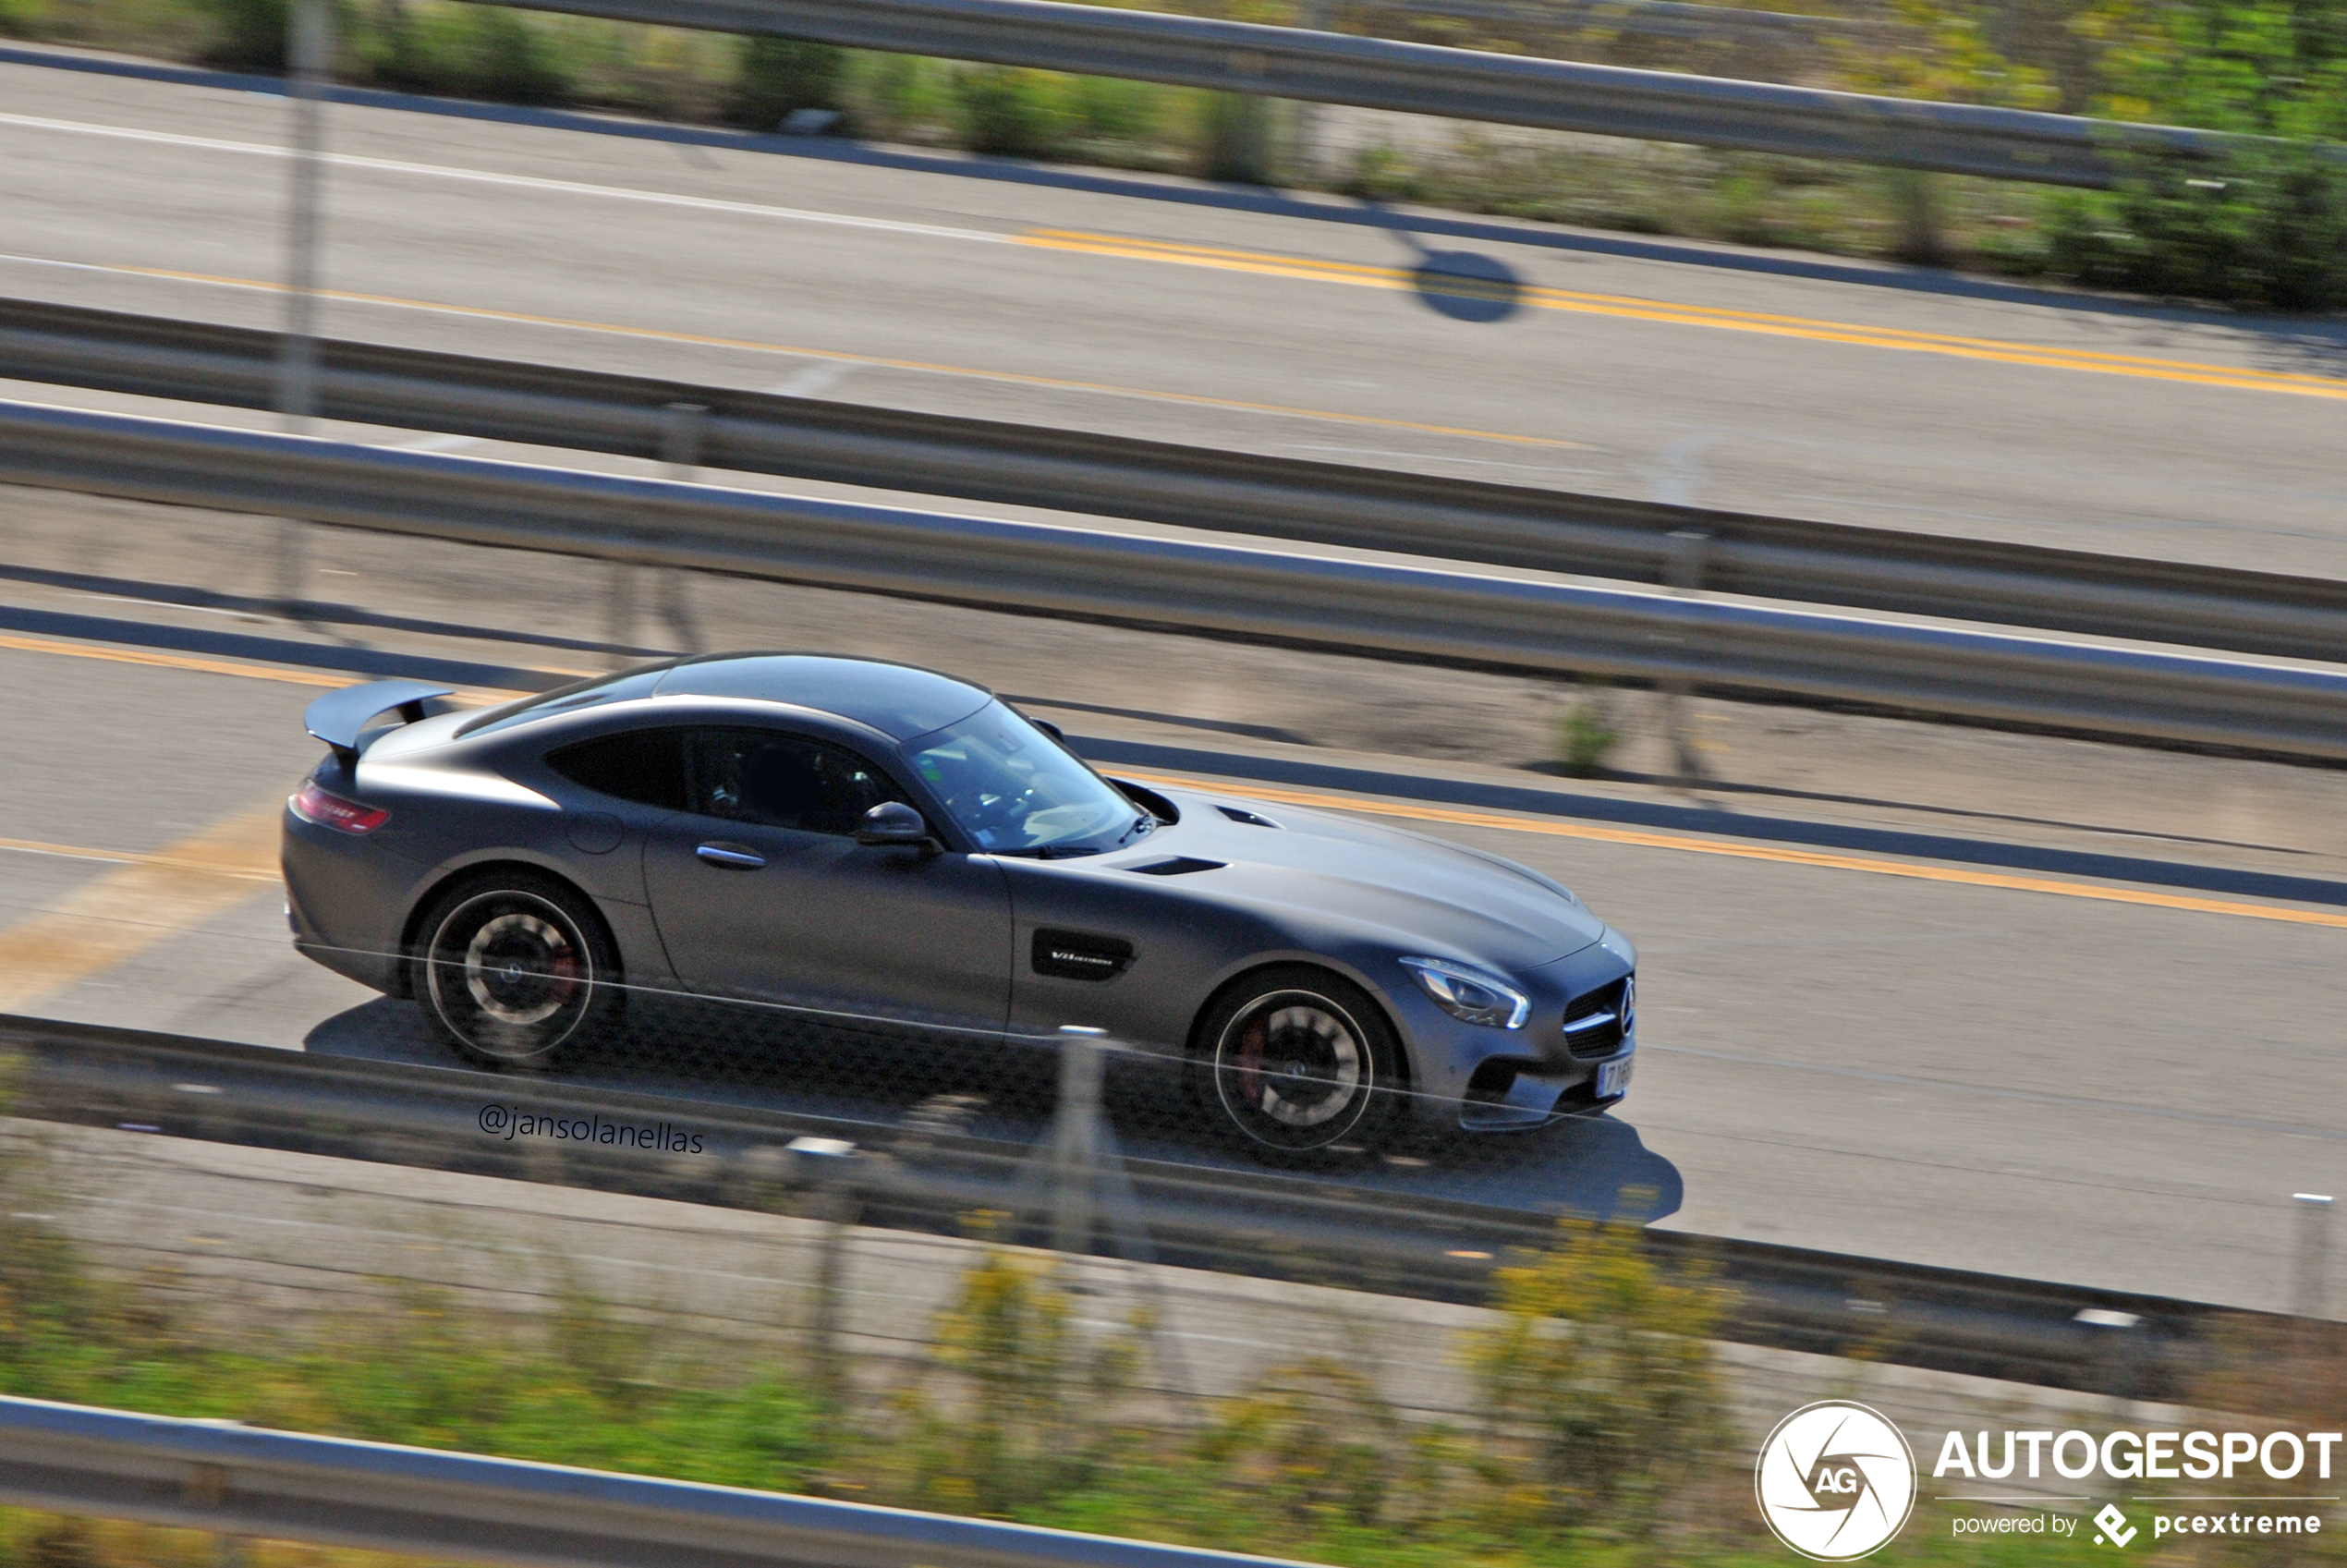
(1180, 866)
(1080, 955)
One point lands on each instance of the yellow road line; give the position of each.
(1552, 828)
(2041, 356)
(249, 671)
(134, 857)
(177, 661)
(128, 910)
(176, 859)
(923, 366)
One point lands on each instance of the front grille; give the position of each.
(1593, 1021)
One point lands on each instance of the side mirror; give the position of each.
(893, 822)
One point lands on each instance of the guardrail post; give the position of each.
(1085, 1170)
(620, 628)
(2310, 1296)
(2123, 1345)
(831, 1164)
(1304, 148)
(310, 55)
(1076, 1139)
(1923, 239)
(1683, 562)
(680, 443)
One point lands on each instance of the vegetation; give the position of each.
(775, 77)
(1600, 1437)
(1586, 734)
(2265, 229)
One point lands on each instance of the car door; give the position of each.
(759, 889)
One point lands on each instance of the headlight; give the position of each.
(1469, 993)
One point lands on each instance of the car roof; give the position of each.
(899, 700)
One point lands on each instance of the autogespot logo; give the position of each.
(1835, 1481)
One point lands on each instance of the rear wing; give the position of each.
(339, 717)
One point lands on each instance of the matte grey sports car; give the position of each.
(889, 844)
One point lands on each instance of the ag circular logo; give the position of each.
(1835, 1481)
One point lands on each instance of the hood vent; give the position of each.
(1238, 814)
(1180, 866)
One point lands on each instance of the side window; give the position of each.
(780, 780)
(644, 766)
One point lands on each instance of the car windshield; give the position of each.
(1014, 789)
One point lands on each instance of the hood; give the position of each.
(1457, 902)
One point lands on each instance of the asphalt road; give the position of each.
(1851, 1056)
(1858, 1057)
(1237, 319)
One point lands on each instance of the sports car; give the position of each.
(874, 840)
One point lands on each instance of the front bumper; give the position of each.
(1469, 1077)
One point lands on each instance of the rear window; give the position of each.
(643, 766)
(569, 698)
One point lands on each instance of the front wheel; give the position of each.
(1300, 1066)
(515, 967)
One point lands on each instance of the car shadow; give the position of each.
(725, 1056)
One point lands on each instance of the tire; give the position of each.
(1299, 1066)
(513, 967)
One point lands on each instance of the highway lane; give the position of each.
(1120, 304)
(1985, 1077)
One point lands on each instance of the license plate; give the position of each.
(1614, 1076)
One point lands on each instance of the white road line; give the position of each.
(521, 182)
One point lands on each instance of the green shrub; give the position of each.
(1313, 1439)
(1107, 109)
(1599, 1391)
(901, 95)
(1010, 111)
(2265, 228)
(1235, 138)
(775, 77)
(1587, 736)
(248, 35)
(1025, 1425)
(489, 52)
(2264, 225)
(1382, 174)
(509, 61)
(22, 18)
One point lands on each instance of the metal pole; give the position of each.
(1076, 1144)
(832, 1162)
(1305, 154)
(309, 50)
(680, 439)
(1683, 570)
(2310, 1298)
(622, 628)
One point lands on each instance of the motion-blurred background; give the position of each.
(1856, 495)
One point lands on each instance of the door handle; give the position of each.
(731, 855)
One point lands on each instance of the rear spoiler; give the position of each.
(339, 717)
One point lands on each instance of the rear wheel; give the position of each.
(1299, 1066)
(513, 969)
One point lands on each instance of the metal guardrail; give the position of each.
(1448, 615)
(1424, 79)
(1451, 519)
(235, 1480)
(1237, 1221)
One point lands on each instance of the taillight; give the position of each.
(314, 805)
